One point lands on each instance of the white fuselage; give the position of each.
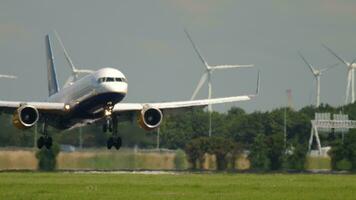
(92, 92)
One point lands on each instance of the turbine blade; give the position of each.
(353, 62)
(230, 66)
(84, 71)
(69, 60)
(200, 84)
(329, 67)
(258, 83)
(196, 50)
(7, 76)
(307, 63)
(337, 56)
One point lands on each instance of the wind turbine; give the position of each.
(317, 74)
(350, 75)
(75, 71)
(209, 69)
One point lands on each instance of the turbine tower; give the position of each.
(317, 74)
(75, 71)
(209, 69)
(350, 75)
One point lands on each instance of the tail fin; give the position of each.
(51, 69)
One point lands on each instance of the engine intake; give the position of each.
(150, 118)
(25, 117)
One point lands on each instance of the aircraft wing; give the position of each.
(10, 106)
(178, 105)
(124, 107)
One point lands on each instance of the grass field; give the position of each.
(175, 186)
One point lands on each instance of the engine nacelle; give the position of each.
(150, 118)
(25, 117)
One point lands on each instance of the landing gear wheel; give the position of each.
(118, 143)
(110, 143)
(40, 142)
(48, 142)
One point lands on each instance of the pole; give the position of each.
(318, 91)
(35, 137)
(210, 113)
(210, 108)
(80, 138)
(285, 127)
(158, 134)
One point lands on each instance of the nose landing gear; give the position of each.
(111, 125)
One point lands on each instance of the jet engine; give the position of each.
(150, 118)
(25, 117)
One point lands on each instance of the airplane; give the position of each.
(95, 98)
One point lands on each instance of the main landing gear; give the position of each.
(111, 125)
(44, 140)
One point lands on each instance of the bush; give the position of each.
(47, 158)
(344, 164)
(180, 160)
(296, 159)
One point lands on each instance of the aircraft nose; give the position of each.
(113, 87)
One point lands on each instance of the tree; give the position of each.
(275, 146)
(259, 154)
(296, 156)
(236, 153)
(196, 150)
(220, 147)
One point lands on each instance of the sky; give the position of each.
(146, 41)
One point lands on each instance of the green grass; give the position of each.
(183, 186)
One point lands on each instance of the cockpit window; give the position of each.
(100, 80)
(111, 79)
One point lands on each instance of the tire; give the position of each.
(48, 142)
(40, 142)
(110, 143)
(118, 143)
